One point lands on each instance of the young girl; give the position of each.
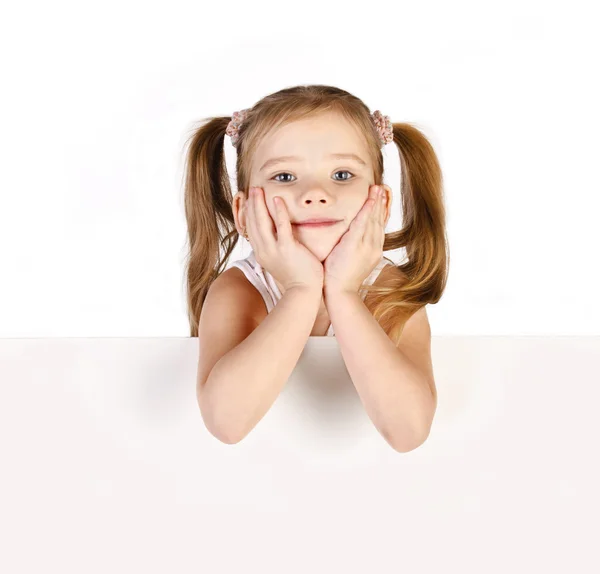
(252, 320)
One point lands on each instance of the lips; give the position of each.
(318, 220)
(316, 224)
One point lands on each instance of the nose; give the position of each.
(315, 196)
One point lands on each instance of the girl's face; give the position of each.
(311, 181)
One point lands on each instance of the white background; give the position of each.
(107, 466)
(98, 101)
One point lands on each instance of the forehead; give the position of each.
(311, 137)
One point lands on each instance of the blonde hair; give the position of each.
(209, 214)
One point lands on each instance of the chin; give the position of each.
(321, 243)
(321, 252)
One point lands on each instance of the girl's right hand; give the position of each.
(290, 262)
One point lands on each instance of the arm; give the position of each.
(245, 382)
(395, 393)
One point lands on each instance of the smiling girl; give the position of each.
(313, 153)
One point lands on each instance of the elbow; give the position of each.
(405, 445)
(226, 438)
(226, 433)
(404, 439)
(219, 427)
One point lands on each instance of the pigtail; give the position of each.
(423, 233)
(210, 223)
(424, 226)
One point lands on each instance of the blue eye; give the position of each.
(287, 173)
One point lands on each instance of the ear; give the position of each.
(238, 206)
(388, 202)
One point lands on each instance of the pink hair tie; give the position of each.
(384, 127)
(234, 125)
(382, 123)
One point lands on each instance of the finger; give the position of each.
(383, 209)
(248, 216)
(377, 209)
(359, 225)
(252, 223)
(371, 227)
(282, 219)
(374, 209)
(264, 222)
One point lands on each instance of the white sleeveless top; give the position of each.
(264, 282)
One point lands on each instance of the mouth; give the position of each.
(317, 225)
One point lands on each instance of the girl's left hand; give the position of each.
(360, 249)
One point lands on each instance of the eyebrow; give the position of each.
(283, 158)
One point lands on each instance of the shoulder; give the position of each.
(405, 331)
(390, 275)
(235, 279)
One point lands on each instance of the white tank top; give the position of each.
(264, 282)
